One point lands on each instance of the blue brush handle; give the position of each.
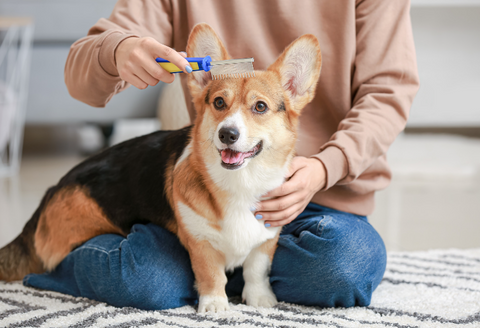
(197, 64)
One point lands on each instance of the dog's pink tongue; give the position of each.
(231, 157)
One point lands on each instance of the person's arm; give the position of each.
(94, 72)
(384, 83)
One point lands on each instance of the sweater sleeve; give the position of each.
(91, 75)
(384, 83)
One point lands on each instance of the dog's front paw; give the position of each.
(259, 297)
(212, 304)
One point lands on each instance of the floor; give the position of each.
(437, 208)
(20, 196)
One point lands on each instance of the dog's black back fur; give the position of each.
(128, 180)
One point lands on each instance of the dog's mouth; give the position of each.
(232, 159)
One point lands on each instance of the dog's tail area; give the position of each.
(19, 258)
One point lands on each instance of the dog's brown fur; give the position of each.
(69, 219)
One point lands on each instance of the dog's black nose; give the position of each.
(228, 135)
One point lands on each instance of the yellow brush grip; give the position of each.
(172, 68)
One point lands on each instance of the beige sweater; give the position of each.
(368, 81)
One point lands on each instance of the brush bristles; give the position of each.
(237, 70)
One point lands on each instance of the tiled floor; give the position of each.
(436, 209)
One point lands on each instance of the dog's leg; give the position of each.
(257, 290)
(208, 264)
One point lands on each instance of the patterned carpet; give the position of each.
(421, 289)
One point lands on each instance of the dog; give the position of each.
(199, 182)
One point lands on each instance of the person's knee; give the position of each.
(355, 268)
(353, 282)
(339, 265)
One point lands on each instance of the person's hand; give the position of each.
(135, 60)
(305, 177)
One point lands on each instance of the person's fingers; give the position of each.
(157, 72)
(146, 77)
(279, 204)
(168, 78)
(135, 81)
(137, 57)
(277, 218)
(285, 221)
(285, 189)
(296, 164)
(184, 54)
(160, 50)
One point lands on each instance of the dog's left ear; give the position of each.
(299, 67)
(203, 41)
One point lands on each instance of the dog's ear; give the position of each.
(203, 41)
(299, 68)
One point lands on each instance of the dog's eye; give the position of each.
(219, 103)
(261, 107)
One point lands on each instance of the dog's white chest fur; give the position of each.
(240, 232)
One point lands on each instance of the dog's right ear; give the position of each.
(203, 41)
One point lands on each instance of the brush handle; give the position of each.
(197, 63)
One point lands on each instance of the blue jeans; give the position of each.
(324, 257)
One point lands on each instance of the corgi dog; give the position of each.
(199, 182)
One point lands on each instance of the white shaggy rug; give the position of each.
(435, 289)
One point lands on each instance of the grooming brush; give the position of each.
(221, 69)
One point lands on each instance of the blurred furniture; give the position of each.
(15, 49)
(59, 23)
